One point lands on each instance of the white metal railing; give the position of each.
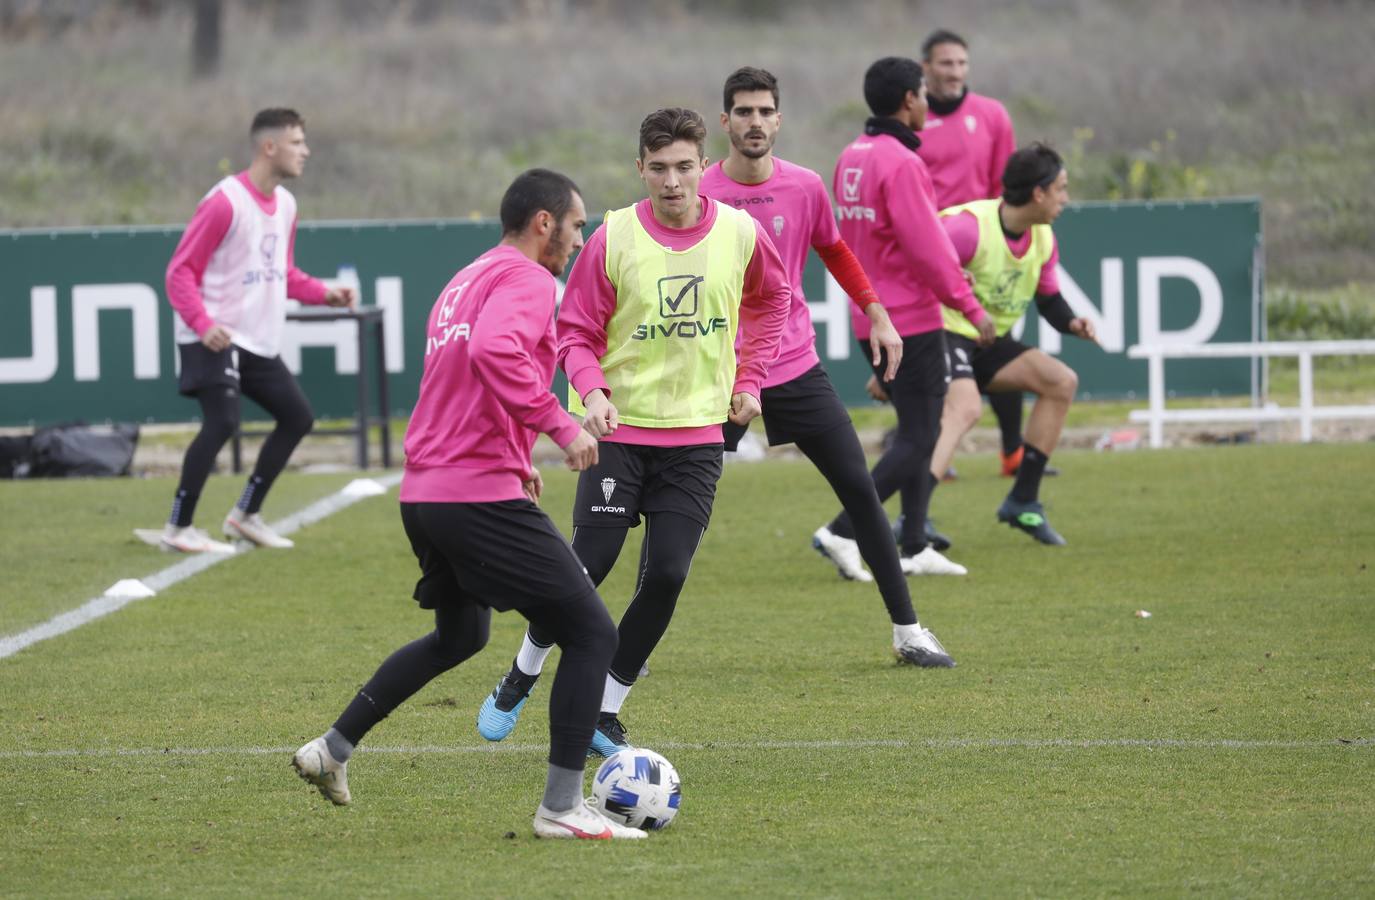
(1157, 415)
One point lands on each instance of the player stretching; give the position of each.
(800, 404)
(647, 338)
(888, 216)
(468, 503)
(1008, 247)
(228, 281)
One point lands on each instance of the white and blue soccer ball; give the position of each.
(639, 788)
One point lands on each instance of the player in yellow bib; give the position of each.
(1008, 248)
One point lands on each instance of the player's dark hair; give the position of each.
(748, 78)
(1033, 166)
(532, 191)
(273, 119)
(938, 37)
(887, 82)
(665, 126)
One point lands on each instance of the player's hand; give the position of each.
(602, 418)
(744, 408)
(875, 389)
(341, 296)
(1083, 328)
(968, 277)
(534, 485)
(217, 338)
(581, 452)
(884, 338)
(988, 333)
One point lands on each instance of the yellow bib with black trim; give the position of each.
(1004, 284)
(670, 344)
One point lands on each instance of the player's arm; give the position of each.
(186, 270)
(764, 304)
(927, 248)
(1053, 306)
(843, 265)
(589, 300)
(309, 289)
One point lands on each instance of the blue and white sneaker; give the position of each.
(609, 737)
(500, 712)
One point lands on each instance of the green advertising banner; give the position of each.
(88, 331)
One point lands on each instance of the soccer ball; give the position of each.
(637, 787)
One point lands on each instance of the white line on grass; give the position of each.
(925, 744)
(192, 565)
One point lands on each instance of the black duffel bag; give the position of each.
(74, 450)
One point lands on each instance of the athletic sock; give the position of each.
(562, 788)
(530, 659)
(340, 747)
(251, 500)
(1028, 484)
(903, 633)
(614, 694)
(183, 508)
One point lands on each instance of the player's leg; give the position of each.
(1054, 384)
(268, 382)
(1007, 409)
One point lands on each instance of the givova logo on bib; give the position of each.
(679, 300)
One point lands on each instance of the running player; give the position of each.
(229, 280)
(800, 404)
(888, 216)
(468, 503)
(1009, 248)
(647, 335)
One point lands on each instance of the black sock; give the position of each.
(251, 500)
(183, 508)
(1028, 484)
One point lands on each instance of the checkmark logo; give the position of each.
(678, 296)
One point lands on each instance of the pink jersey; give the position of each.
(795, 210)
(964, 237)
(236, 266)
(589, 299)
(484, 392)
(888, 217)
(966, 150)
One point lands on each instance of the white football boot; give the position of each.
(843, 552)
(239, 524)
(917, 646)
(583, 822)
(314, 764)
(930, 562)
(189, 539)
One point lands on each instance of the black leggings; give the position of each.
(670, 542)
(268, 383)
(580, 626)
(838, 456)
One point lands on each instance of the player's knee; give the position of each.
(964, 414)
(666, 576)
(1065, 384)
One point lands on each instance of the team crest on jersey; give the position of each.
(971, 123)
(268, 248)
(678, 296)
(849, 184)
(778, 226)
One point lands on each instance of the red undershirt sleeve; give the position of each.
(842, 263)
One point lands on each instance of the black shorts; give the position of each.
(925, 368)
(631, 479)
(232, 367)
(800, 408)
(969, 360)
(505, 555)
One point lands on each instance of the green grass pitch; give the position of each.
(1221, 747)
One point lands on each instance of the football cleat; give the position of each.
(189, 539)
(930, 562)
(917, 646)
(501, 710)
(608, 738)
(314, 764)
(933, 537)
(843, 552)
(252, 528)
(1011, 461)
(583, 822)
(1031, 518)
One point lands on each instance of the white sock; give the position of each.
(903, 633)
(613, 695)
(531, 657)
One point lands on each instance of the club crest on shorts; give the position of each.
(608, 488)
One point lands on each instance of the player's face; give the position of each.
(671, 174)
(565, 239)
(288, 151)
(752, 123)
(947, 70)
(1053, 199)
(919, 110)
